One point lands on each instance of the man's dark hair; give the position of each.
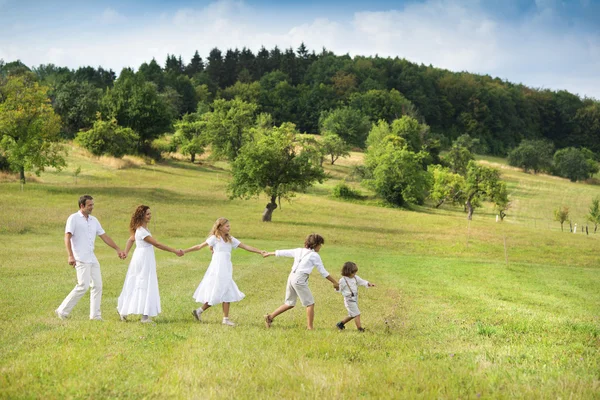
(83, 199)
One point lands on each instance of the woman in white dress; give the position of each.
(140, 290)
(218, 286)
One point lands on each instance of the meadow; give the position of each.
(461, 309)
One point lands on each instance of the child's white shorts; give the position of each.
(352, 306)
(297, 286)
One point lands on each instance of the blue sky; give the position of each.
(542, 43)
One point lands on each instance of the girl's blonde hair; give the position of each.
(137, 219)
(349, 268)
(216, 229)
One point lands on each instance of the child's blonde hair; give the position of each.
(349, 268)
(216, 229)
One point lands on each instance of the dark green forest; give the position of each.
(301, 86)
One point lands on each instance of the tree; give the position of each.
(107, 137)
(534, 155)
(483, 183)
(575, 164)
(407, 128)
(228, 126)
(500, 200)
(29, 128)
(136, 104)
(334, 146)
(190, 135)
(276, 164)
(594, 214)
(561, 215)
(349, 124)
(77, 103)
(447, 186)
(382, 105)
(195, 66)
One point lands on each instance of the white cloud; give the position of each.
(110, 17)
(453, 34)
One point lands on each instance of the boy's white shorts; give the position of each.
(352, 306)
(297, 286)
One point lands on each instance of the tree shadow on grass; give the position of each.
(353, 228)
(150, 195)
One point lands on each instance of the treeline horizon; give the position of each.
(299, 86)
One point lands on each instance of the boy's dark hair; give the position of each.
(349, 268)
(313, 240)
(83, 199)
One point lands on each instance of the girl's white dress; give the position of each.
(140, 290)
(218, 286)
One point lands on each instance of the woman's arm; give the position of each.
(250, 248)
(130, 243)
(153, 242)
(196, 247)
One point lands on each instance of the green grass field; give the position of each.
(461, 310)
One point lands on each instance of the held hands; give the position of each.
(122, 255)
(264, 253)
(180, 253)
(336, 286)
(371, 284)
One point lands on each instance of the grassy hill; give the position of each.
(469, 310)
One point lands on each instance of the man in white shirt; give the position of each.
(80, 234)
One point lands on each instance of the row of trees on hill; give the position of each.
(539, 156)
(251, 109)
(298, 86)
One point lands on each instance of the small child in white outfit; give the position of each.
(349, 288)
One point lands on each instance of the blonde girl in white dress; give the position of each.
(218, 286)
(140, 290)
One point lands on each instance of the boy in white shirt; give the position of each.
(349, 288)
(305, 259)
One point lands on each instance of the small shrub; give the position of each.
(343, 191)
(108, 138)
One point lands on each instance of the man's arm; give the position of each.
(71, 257)
(112, 244)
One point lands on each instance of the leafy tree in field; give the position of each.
(394, 171)
(228, 126)
(350, 125)
(561, 215)
(483, 183)
(29, 128)
(407, 128)
(532, 155)
(398, 175)
(191, 135)
(276, 164)
(447, 186)
(136, 104)
(77, 103)
(575, 164)
(107, 137)
(500, 200)
(334, 147)
(460, 154)
(594, 214)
